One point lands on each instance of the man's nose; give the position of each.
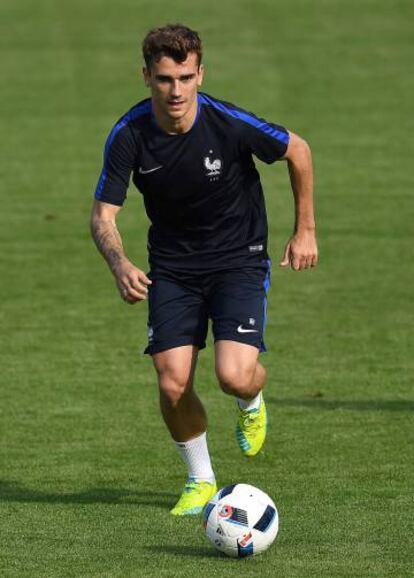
(176, 88)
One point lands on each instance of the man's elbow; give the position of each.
(298, 147)
(93, 218)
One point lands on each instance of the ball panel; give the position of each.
(207, 511)
(262, 540)
(267, 518)
(244, 551)
(226, 491)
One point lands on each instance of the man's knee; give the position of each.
(236, 380)
(241, 380)
(173, 389)
(174, 380)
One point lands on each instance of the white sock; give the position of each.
(248, 404)
(197, 459)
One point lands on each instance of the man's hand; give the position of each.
(132, 283)
(301, 251)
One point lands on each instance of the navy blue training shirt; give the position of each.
(201, 189)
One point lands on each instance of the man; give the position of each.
(191, 157)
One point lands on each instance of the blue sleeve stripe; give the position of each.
(246, 117)
(135, 112)
(101, 182)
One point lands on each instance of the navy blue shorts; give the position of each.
(180, 307)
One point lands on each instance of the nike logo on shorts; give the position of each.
(241, 329)
(146, 171)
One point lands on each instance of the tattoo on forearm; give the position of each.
(108, 240)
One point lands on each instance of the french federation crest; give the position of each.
(213, 166)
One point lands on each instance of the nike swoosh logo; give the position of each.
(241, 329)
(146, 171)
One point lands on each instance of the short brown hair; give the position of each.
(173, 40)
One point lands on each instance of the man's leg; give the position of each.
(240, 374)
(182, 410)
(186, 419)
(238, 369)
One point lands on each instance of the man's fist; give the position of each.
(132, 283)
(301, 251)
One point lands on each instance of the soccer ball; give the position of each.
(241, 520)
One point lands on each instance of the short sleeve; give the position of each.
(266, 140)
(119, 160)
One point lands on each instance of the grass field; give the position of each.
(88, 472)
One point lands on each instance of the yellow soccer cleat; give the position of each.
(251, 429)
(194, 497)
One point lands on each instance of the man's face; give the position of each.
(174, 85)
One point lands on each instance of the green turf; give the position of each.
(88, 472)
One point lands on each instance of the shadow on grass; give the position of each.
(366, 405)
(14, 492)
(192, 551)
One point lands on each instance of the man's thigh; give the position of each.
(238, 305)
(235, 361)
(176, 366)
(177, 315)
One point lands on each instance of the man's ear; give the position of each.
(146, 74)
(200, 75)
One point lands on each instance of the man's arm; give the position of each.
(301, 251)
(131, 282)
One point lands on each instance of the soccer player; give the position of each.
(191, 157)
